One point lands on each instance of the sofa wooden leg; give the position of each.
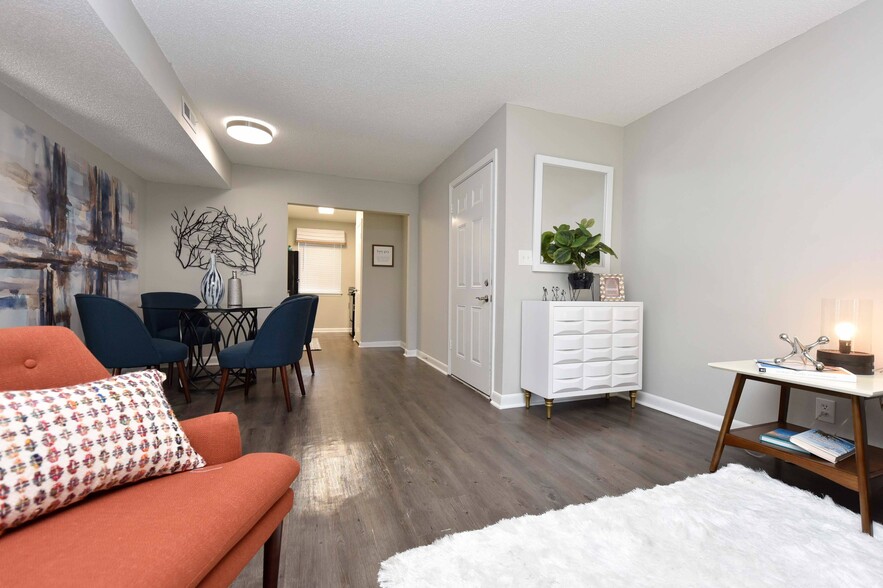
(310, 357)
(285, 389)
(300, 379)
(225, 373)
(272, 551)
(182, 377)
(274, 375)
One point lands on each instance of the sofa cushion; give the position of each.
(57, 446)
(169, 531)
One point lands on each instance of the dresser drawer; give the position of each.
(567, 356)
(597, 382)
(598, 341)
(625, 366)
(604, 354)
(598, 327)
(568, 385)
(620, 380)
(598, 314)
(596, 368)
(567, 371)
(626, 353)
(626, 313)
(568, 327)
(567, 342)
(567, 313)
(626, 339)
(626, 326)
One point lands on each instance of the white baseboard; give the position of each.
(331, 330)
(433, 362)
(409, 352)
(685, 411)
(507, 401)
(368, 344)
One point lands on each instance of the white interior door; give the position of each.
(357, 327)
(470, 280)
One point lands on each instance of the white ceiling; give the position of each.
(312, 213)
(387, 90)
(61, 57)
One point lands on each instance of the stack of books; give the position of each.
(782, 438)
(828, 447)
(804, 370)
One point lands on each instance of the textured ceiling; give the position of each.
(387, 90)
(60, 56)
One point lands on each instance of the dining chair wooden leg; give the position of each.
(286, 389)
(169, 374)
(225, 374)
(310, 357)
(247, 381)
(300, 378)
(182, 377)
(117, 371)
(274, 374)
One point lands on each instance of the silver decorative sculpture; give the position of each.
(798, 348)
(545, 294)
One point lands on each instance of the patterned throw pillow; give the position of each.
(58, 446)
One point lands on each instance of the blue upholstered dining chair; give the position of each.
(116, 336)
(278, 343)
(308, 338)
(163, 324)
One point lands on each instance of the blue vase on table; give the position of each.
(212, 289)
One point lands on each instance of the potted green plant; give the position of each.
(578, 246)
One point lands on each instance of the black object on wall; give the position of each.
(293, 277)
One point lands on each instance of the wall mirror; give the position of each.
(565, 191)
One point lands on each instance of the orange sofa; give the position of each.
(196, 528)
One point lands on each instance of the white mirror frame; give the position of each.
(606, 223)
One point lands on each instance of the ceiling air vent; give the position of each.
(188, 113)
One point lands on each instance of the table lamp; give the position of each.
(849, 321)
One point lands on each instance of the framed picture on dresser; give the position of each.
(611, 287)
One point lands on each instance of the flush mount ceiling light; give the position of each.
(325, 210)
(250, 130)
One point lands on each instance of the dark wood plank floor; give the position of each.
(395, 455)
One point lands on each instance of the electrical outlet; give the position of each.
(525, 257)
(825, 409)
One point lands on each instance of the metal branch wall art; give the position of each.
(218, 231)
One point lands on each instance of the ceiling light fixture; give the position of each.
(325, 210)
(252, 131)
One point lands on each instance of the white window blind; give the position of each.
(321, 236)
(320, 268)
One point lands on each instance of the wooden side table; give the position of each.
(854, 473)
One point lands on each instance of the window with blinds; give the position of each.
(321, 255)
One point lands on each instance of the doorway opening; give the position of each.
(355, 262)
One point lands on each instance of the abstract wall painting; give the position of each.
(66, 227)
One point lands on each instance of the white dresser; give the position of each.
(571, 349)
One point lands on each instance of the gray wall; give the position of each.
(333, 310)
(434, 229)
(750, 200)
(530, 132)
(269, 191)
(383, 291)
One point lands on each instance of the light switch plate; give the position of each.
(525, 257)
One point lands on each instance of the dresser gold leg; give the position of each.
(633, 397)
(526, 399)
(549, 408)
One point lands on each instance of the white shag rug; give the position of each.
(737, 527)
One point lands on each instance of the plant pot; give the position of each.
(580, 280)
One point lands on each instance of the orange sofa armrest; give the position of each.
(215, 437)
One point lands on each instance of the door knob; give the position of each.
(484, 298)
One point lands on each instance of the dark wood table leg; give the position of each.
(784, 397)
(735, 395)
(861, 463)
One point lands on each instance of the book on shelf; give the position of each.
(782, 438)
(828, 447)
(798, 369)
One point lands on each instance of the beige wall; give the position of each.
(333, 310)
(750, 200)
(268, 191)
(382, 291)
